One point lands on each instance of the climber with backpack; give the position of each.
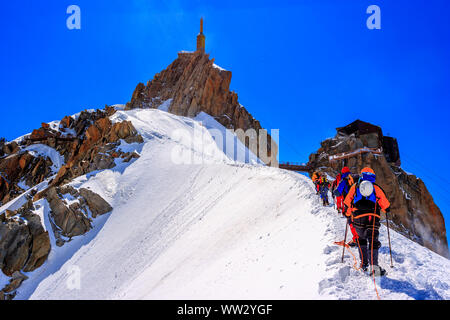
(362, 206)
(345, 183)
(337, 200)
(341, 191)
(324, 187)
(315, 178)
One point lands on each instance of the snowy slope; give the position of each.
(210, 227)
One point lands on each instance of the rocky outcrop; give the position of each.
(2, 145)
(15, 245)
(98, 150)
(24, 244)
(413, 211)
(9, 291)
(8, 148)
(68, 221)
(74, 219)
(21, 167)
(192, 83)
(96, 204)
(87, 141)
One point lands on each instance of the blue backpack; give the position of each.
(358, 196)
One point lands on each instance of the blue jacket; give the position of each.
(343, 187)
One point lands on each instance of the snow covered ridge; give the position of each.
(211, 139)
(220, 229)
(69, 212)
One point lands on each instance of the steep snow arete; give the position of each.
(215, 227)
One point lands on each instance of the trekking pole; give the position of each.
(389, 239)
(345, 240)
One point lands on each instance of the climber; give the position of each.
(324, 187)
(364, 202)
(315, 178)
(341, 191)
(338, 200)
(346, 182)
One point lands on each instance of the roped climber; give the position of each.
(341, 191)
(363, 204)
(324, 186)
(315, 178)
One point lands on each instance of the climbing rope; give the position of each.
(355, 261)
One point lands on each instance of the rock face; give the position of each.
(24, 244)
(74, 219)
(21, 167)
(96, 204)
(98, 150)
(68, 221)
(192, 83)
(15, 282)
(88, 141)
(413, 211)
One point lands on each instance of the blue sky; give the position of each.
(304, 67)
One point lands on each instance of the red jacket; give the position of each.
(336, 182)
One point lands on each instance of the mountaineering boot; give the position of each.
(377, 271)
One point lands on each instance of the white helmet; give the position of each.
(366, 188)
